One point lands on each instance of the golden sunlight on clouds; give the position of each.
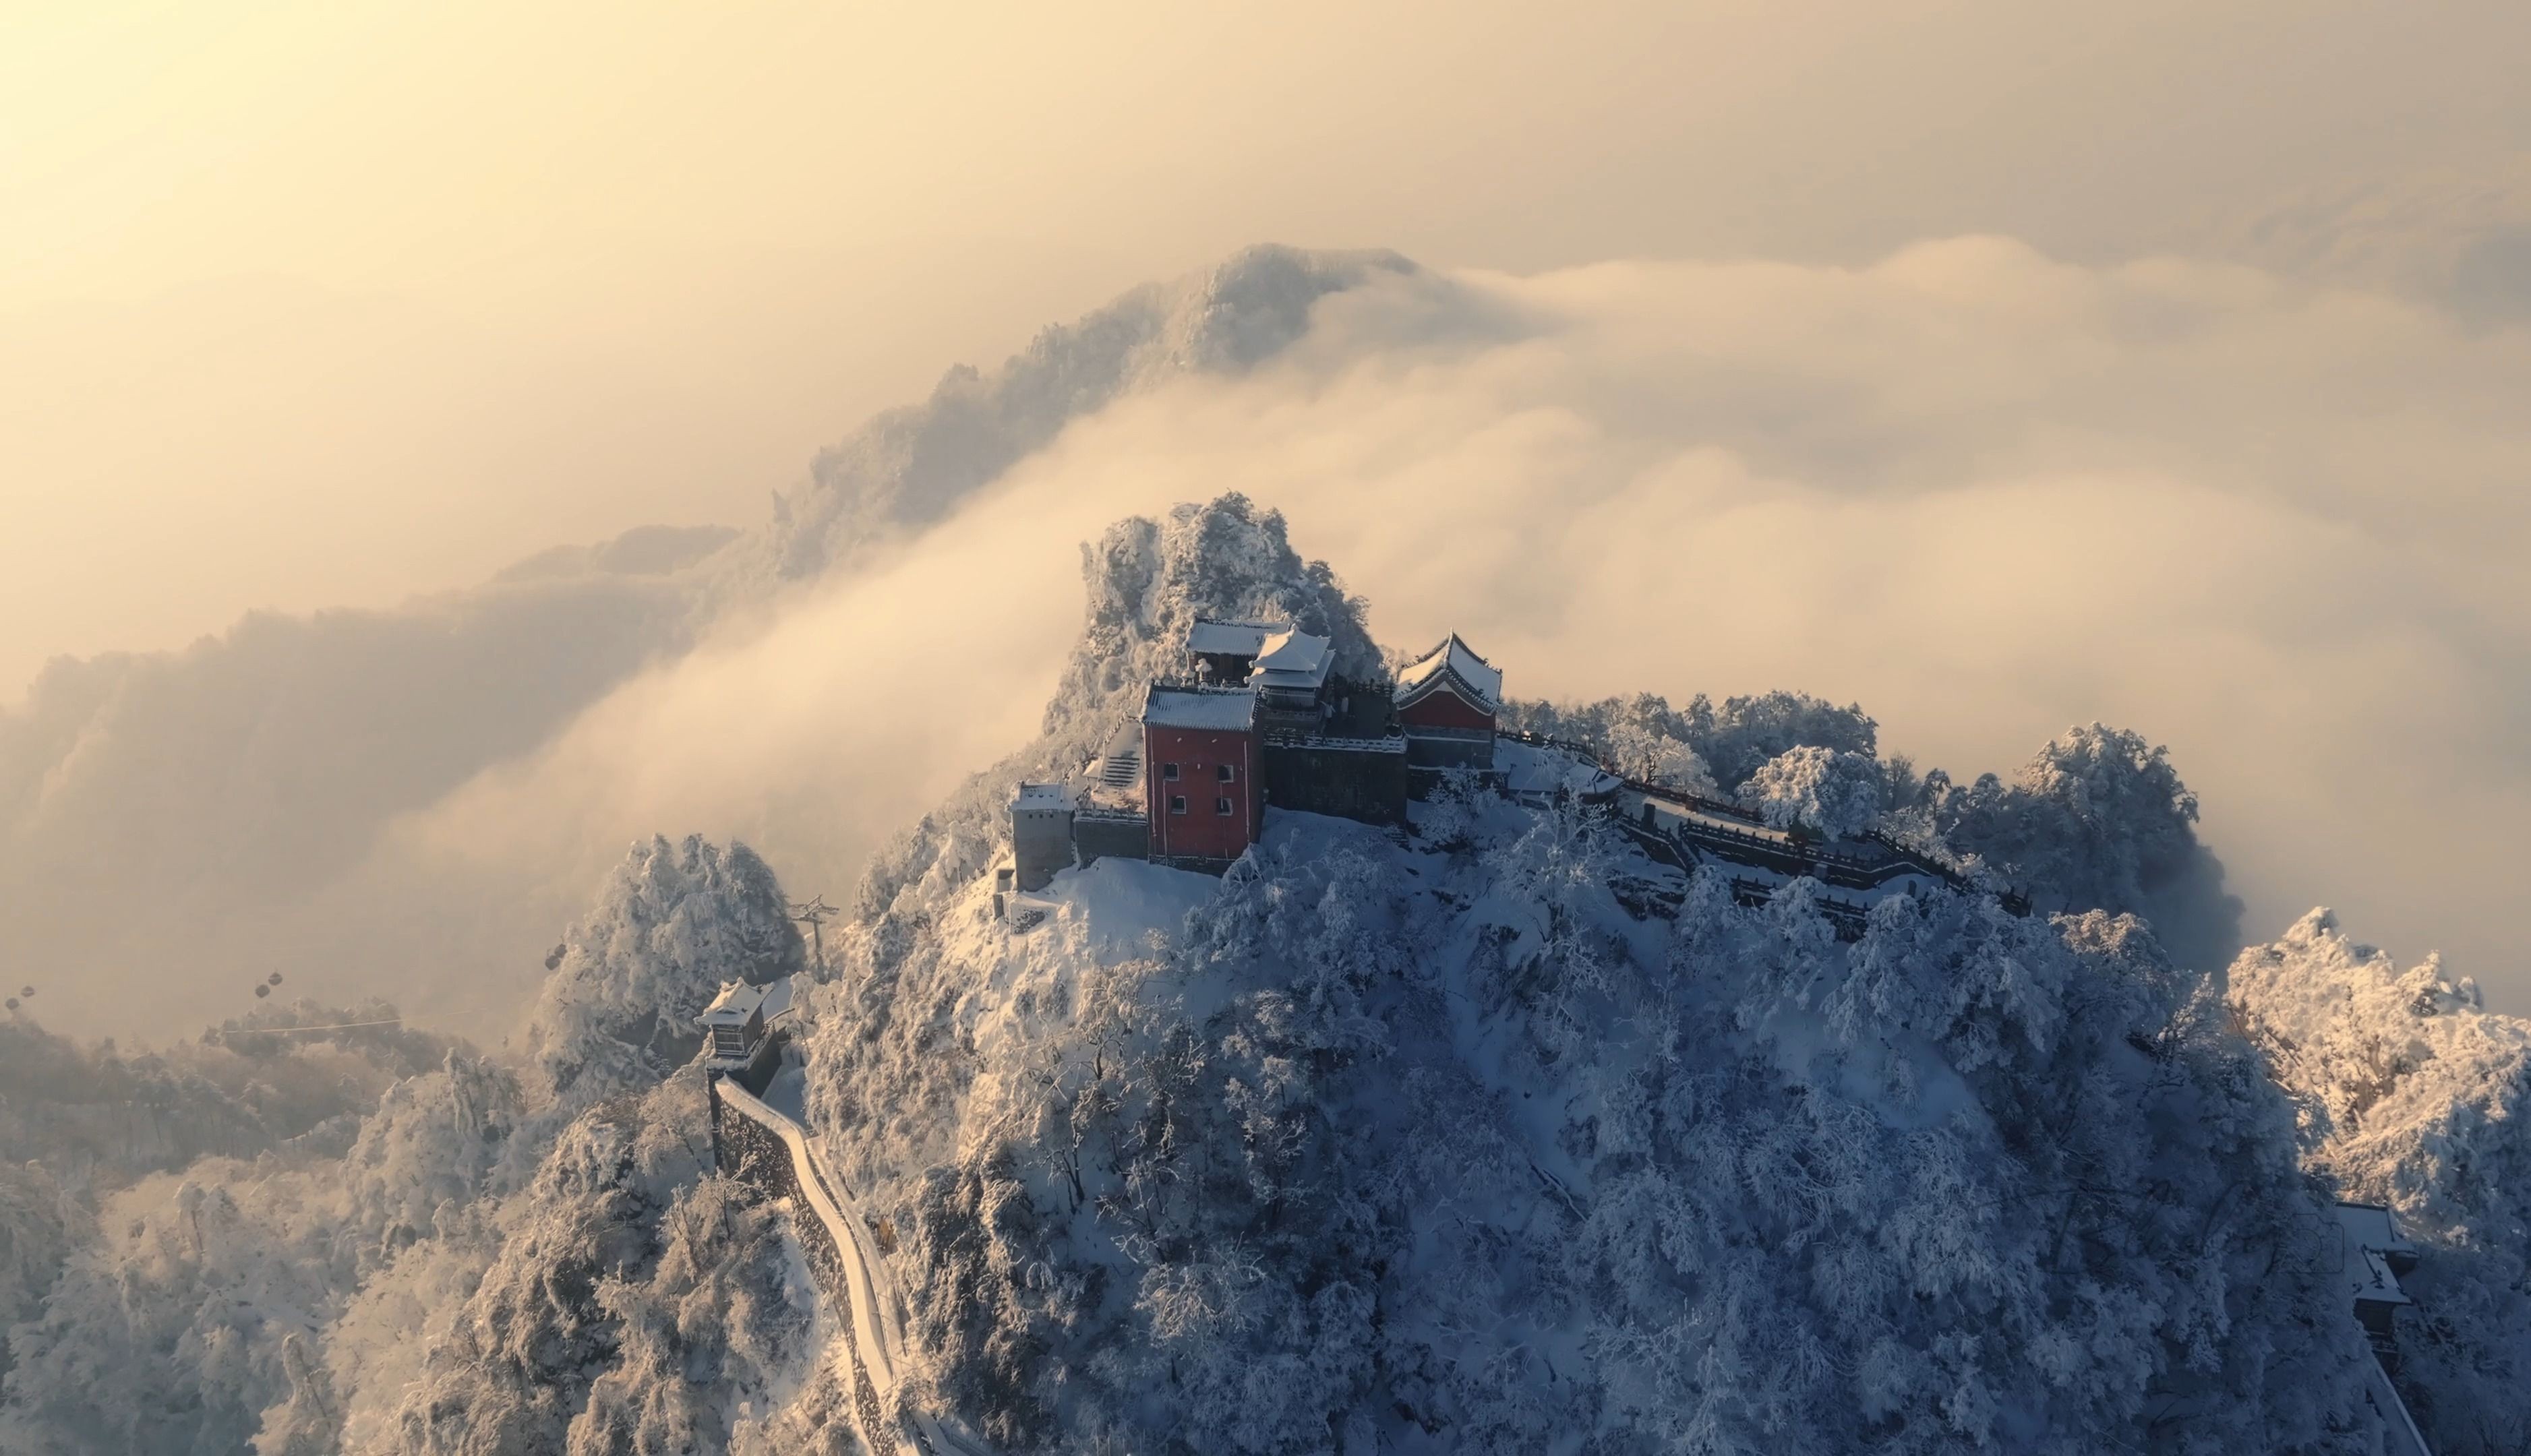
(2147, 362)
(311, 304)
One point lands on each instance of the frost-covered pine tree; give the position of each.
(1437, 1146)
(2418, 1097)
(448, 1250)
(2098, 820)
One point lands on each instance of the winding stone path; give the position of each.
(773, 1152)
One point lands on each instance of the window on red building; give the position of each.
(1177, 804)
(1227, 772)
(1170, 771)
(1221, 806)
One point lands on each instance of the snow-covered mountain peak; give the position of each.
(910, 467)
(1489, 1132)
(1499, 1135)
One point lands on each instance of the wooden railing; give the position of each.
(1787, 855)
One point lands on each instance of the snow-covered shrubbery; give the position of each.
(1440, 1147)
(1822, 790)
(2098, 820)
(409, 1247)
(1494, 1137)
(2418, 1097)
(1453, 1154)
(672, 924)
(1702, 745)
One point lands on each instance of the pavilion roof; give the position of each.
(1224, 637)
(1452, 660)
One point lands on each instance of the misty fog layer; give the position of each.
(1985, 493)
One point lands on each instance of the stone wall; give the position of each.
(1100, 836)
(1429, 747)
(1361, 779)
(1040, 844)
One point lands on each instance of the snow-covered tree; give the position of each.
(1496, 1135)
(1730, 742)
(419, 1248)
(672, 923)
(1441, 1147)
(2417, 1097)
(1822, 790)
(2098, 820)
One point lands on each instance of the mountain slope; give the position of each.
(2417, 1097)
(1436, 1145)
(237, 781)
(1494, 1135)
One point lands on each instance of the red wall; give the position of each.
(1445, 709)
(1199, 755)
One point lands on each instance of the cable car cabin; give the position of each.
(739, 1042)
(1447, 701)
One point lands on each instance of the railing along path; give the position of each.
(1785, 854)
(874, 1330)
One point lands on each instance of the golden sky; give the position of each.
(2156, 361)
(313, 303)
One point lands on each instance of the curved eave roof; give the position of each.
(1456, 665)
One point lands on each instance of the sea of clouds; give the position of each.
(2273, 524)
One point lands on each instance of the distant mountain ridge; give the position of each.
(1429, 1141)
(240, 774)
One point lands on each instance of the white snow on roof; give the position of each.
(2369, 1275)
(1180, 707)
(1230, 639)
(1043, 796)
(2371, 1235)
(1294, 660)
(738, 1001)
(1292, 650)
(1530, 771)
(1463, 663)
(2371, 1226)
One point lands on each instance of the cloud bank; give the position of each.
(1984, 493)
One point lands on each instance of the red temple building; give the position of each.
(1200, 775)
(1447, 701)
